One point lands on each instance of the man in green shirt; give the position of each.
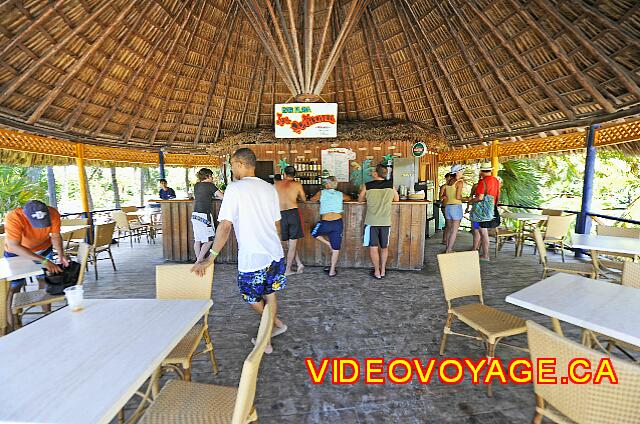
(379, 195)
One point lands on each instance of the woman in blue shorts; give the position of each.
(453, 209)
(329, 229)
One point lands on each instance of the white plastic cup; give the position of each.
(75, 296)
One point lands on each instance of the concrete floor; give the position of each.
(354, 316)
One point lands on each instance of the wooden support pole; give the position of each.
(495, 164)
(82, 177)
(583, 223)
(161, 163)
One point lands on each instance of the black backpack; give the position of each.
(56, 283)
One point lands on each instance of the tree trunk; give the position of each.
(186, 180)
(114, 187)
(90, 199)
(142, 186)
(51, 187)
(65, 186)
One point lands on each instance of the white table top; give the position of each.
(18, 267)
(523, 216)
(606, 243)
(144, 213)
(606, 308)
(82, 367)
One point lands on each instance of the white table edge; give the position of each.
(117, 406)
(591, 326)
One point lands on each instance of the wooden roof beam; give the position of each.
(24, 31)
(226, 90)
(309, 10)
(367, 18)
(607, 22)
(622, 74)
(285, 51)
(78, 108)
(553, 96)
(414, 59)
(131, 123)
(294, 38)
(77, 65)
(445, 72)
(13, 85)
(251, 84)
(557, 50)
(344, 71)
(323, 39)
(470, 63)
(355, 12)
(498, 73)
(432, 74)
(214, 80)
(143, 66)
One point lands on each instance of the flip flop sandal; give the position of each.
(326, 269)
(266, 349)
(279, 330)
(334, 275)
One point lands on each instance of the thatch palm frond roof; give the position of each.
(184, 74)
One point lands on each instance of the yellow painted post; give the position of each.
(82, 177)
(495, 164)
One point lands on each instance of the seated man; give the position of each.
(166, 192)
(32, 232)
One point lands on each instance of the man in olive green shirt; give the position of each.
(379, 195)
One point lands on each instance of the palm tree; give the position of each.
(114, 187)
(520, 183)
(51, 187)
(16, 188)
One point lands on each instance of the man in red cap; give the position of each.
(33, 231)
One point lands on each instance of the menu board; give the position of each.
(336, 162)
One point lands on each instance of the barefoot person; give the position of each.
(331, 220)
(250, 206)
(379, 195)
(290, 192)
(203, 232)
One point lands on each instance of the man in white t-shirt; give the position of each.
(252, 208)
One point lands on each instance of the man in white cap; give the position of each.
(488, 185)
(33, 231)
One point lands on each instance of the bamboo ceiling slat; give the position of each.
(186, 74)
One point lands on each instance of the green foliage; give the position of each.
(282, 163)
(520, 183)
(19, 185)
(362, 173)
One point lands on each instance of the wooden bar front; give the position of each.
(406, 241)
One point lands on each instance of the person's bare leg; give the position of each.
(334, 261)
(259, 308)
(375, 259)
(196, 248)
(291, 256)
(322, 239)
(384, 254)
(447, 228)
(453, 233)
(300, 265)
(484, 236)
(203, 251)
(476, 239)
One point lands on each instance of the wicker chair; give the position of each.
(555, 230)
(605, 230)
(178, 282)
(579, 268)
(127, 209)
(72, 239)
(23, 301)
(130, 228)
(185, 402)
(102, 243)
(460, 273)
(501, 235)
(582, 403)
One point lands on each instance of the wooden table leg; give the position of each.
(556, 326)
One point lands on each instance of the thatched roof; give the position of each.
(186, 73)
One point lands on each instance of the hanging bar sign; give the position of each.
(306, 120)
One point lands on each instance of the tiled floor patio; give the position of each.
(349, 316)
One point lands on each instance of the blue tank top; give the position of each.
(330, 201)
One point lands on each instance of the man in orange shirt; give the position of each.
(33, 231)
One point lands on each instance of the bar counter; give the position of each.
(406, 241)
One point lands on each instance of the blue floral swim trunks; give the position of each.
(256, 284)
